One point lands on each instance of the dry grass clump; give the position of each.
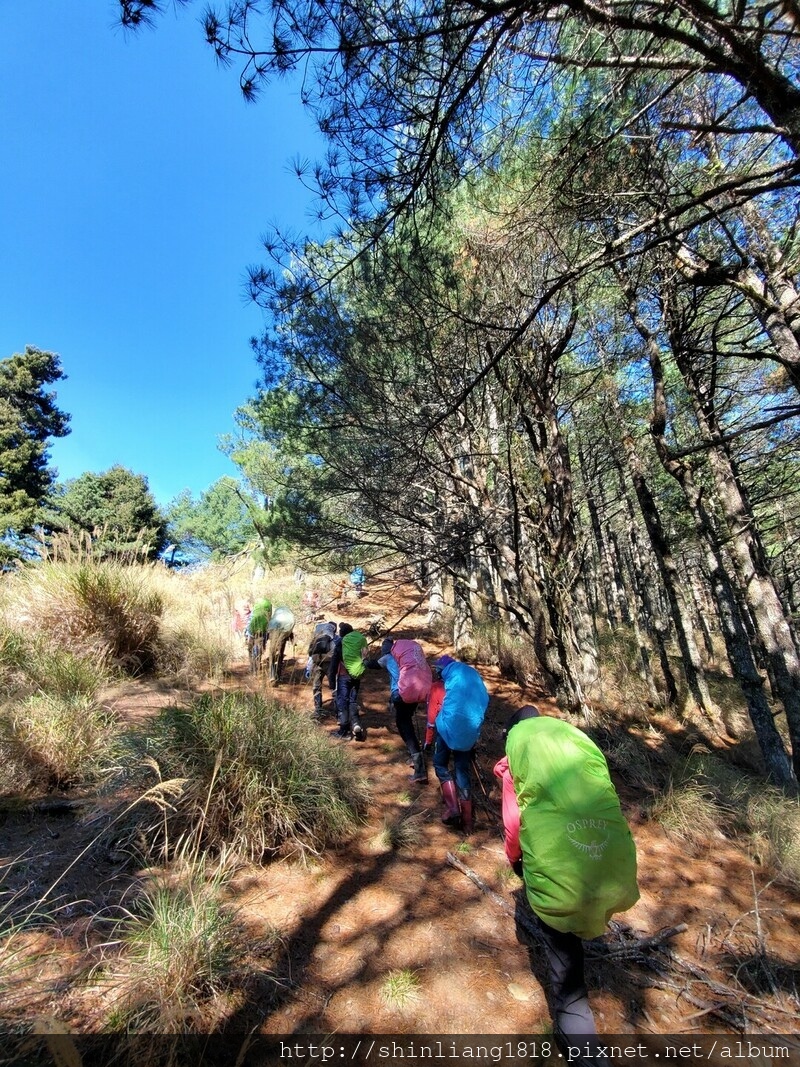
(33, 664)
(627, 753)
(106, 612)
(258, 777)
(401, 834)
(188, 653)
(687, 810)
(62, 673)
(775, 819)
(621, 680)
(70, 738)
(13, 657)
(194, 640)
(178, 951)
(708, 792)
(22, 949)
(17, 774)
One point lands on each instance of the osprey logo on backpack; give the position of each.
(592, 836)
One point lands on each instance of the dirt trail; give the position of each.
(364, 911)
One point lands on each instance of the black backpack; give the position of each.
(321, 645)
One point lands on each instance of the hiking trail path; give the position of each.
(347, 920)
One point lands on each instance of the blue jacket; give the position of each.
(464, 706)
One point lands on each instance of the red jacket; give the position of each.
(510, 811)
(435, 701)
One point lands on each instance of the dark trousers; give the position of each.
(347, 702)
(572, 1016)
(462, 762)
(404, 719)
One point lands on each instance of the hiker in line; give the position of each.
(410, 680)
(256, 632)
(567, 838)
(357, 579)
(433, 707)
(241, 616)
(312, 602)
(280, 630)
(344, 678)
(320, 650)
(457, 728)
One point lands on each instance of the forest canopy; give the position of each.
(551, 348)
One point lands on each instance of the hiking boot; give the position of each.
(420, 770)
(451, 815)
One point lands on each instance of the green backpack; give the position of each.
(352, 644)
(578, 854)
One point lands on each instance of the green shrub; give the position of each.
(61, 673)
(401, 989)
(259, 777)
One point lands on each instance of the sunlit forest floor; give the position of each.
(385, 934)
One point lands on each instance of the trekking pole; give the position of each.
(478, 775)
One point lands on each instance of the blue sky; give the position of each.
(134, 186)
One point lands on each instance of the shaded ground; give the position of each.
(346, 923)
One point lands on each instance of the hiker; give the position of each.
(344, 678)
(357, 579)
(567, 838)
(280, 630)
(312, 602)
(241, 616)
(256, 632)
(319, 654)
(410, 680)
(457, 728)
(433, 707)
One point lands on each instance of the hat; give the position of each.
(442, 662)
(528, 712)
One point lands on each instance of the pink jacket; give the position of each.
(415, 674)
(510, 811)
